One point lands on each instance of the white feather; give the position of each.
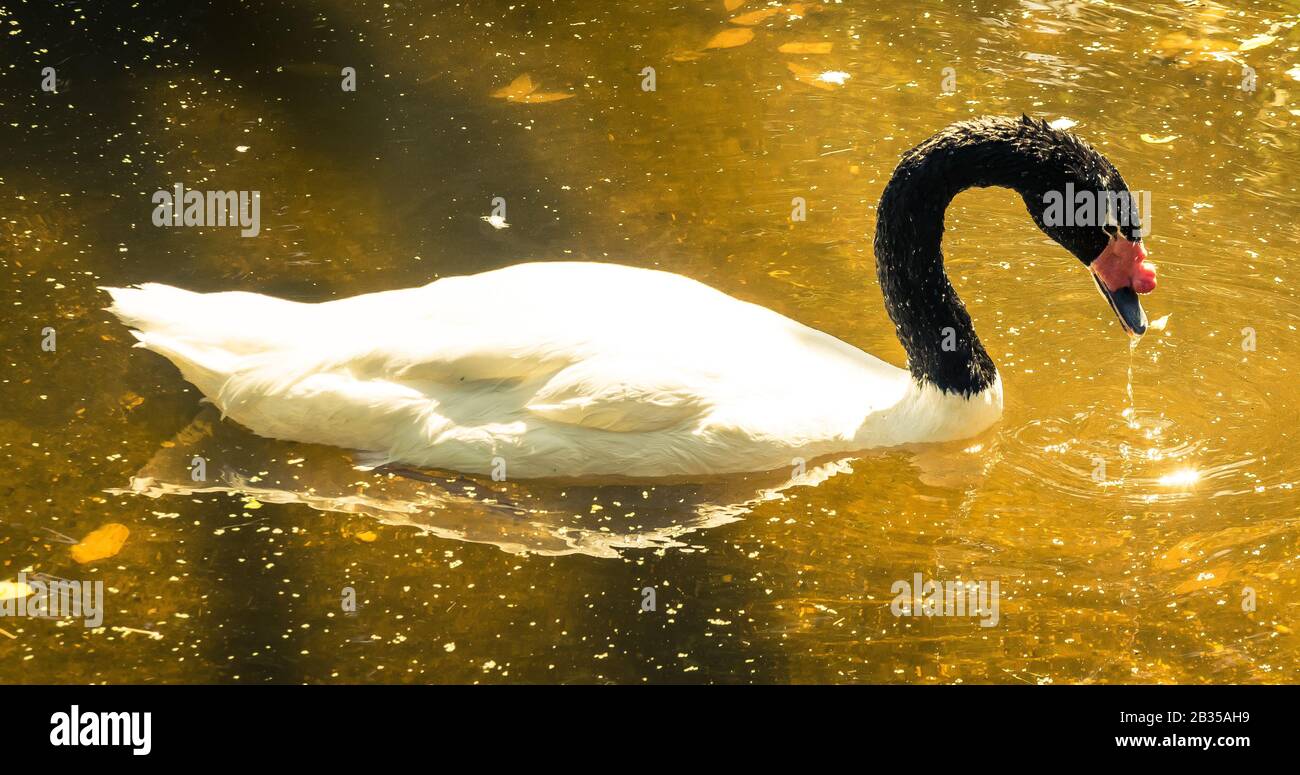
(558, 369)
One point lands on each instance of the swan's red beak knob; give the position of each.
(1122, 271)
(1124, 264)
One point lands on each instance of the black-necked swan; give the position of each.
(588, 369)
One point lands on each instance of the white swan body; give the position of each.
(546, 370)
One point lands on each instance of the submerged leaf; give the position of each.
(754, 17)
(819, 47)
(817, 78)
(1063, 123)
(732, 5)
(522, 89)
(1146, 138)
(1214, 577)
(793, 10)
(1159, 323)
(545, 96)
(104, 542)
(519, 87)
(1189, 51)
(730, 38)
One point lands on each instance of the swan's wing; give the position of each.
(559, 376)
(618, 394)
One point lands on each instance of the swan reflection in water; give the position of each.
(596, 517)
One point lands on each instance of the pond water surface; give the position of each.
(1138, 508)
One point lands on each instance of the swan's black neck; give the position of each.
(931, 321)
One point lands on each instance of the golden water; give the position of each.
(1124, 542)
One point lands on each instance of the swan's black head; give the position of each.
(1073, 193)
(1078, 198)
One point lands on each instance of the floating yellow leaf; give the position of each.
(732, 5)
(820, 47)
(1146, 138)
(1256, 42)
(730, 38)
(519, 87)
(11, 590)
(104, 542)
(369, 536)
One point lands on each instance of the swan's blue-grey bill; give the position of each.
(1127, 307)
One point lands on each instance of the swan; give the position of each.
(580, 369)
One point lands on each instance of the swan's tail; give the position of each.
(206, 335)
